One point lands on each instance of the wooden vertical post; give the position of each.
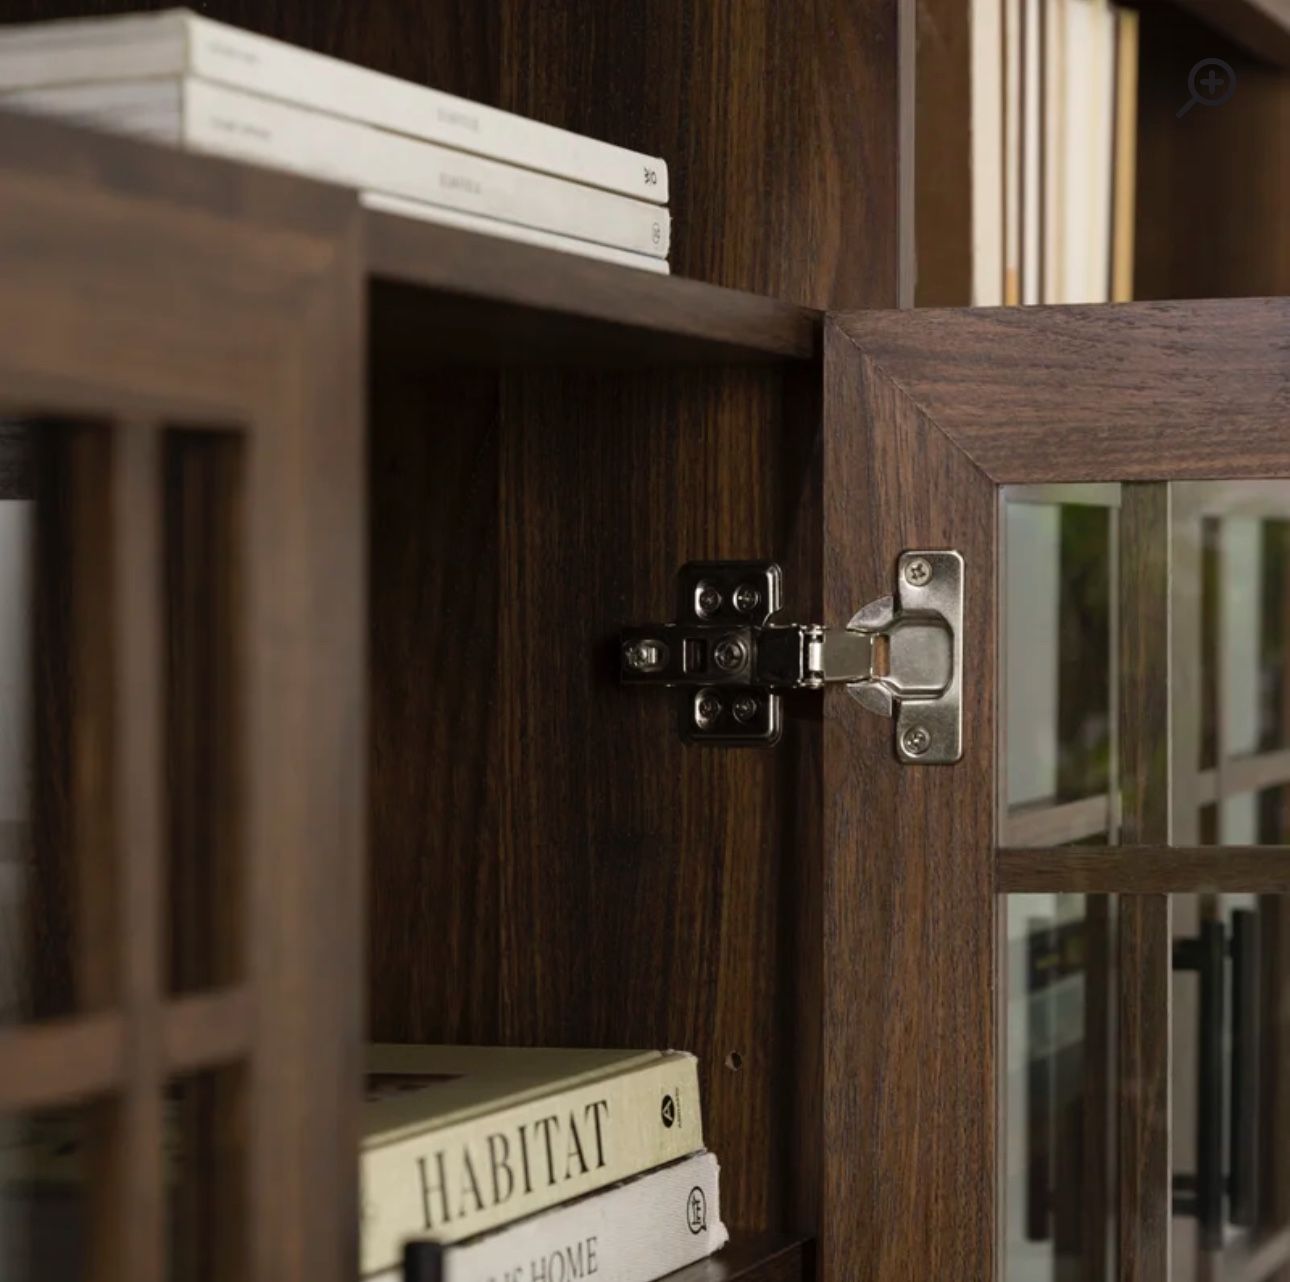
(1145, 963)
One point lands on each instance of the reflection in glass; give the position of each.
(1231, 787)
(15, 720)
(1231, 1061)
(1230, 673)
(43, 1166)
(1058, 1102)
(1058, 626)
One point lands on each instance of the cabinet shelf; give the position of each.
(442, 291)
(752, 1257)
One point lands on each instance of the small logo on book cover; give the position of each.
(696, 1210)
(669, 1110)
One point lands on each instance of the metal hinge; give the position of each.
(900, 655)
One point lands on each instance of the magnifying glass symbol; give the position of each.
(1211, 83)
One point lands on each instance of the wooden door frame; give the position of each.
(145, 291)
(927, 414)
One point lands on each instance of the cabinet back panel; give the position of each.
(549, 863)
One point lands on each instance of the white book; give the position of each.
(987, 153)
(207, 117)
(634, 1232)
(511, 231)
(179, 43)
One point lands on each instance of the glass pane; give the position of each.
(1230, 674)
(43, 1215)
(1058, 628)
(1231, 1063)
(1058, 1103)
(1230, 707)
(15, 720)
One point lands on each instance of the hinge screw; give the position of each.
(708, 599)
(643, 656)
(918, 571)
(745, 708)
(706, 711)
(746, 598)
(915, 741)
(729, 654)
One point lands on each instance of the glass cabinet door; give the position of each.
(1227, 648)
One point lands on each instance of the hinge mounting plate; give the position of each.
(731, 660)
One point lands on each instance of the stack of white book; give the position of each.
(481, 1164)
(180, 78)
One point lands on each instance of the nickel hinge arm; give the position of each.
(900, 656)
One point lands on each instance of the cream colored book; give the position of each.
(201, 115)
(179, 43)
(458, 1140)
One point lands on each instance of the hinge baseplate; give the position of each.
(731, 661)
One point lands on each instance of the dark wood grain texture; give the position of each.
(553, 865)
(1145, 870)
(1260, 27)
(1131, 392)
(778, 122)
(1145, 947)
(752, 1257)
(449, 292)
(232, 296)
(1214, 186)
(550, 864)
(909, 904)
(135, 1244)
(943, 155)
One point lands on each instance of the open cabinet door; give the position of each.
(181, 425)
(1057, 1005)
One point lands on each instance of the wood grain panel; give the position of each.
(1131, 392)
(909, 924)
(450, 292)
(1145, 956)
(1213, 187)
(778, 122)
(567, 872)
(943, 152)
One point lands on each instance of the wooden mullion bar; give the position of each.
(131, 1213)
(1151, 869)
(1144, 919)
(59, 1061)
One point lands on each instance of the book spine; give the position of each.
(278, 70)
(457, 1181)
(634, 1232)
(247, 127)
(511, 231)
